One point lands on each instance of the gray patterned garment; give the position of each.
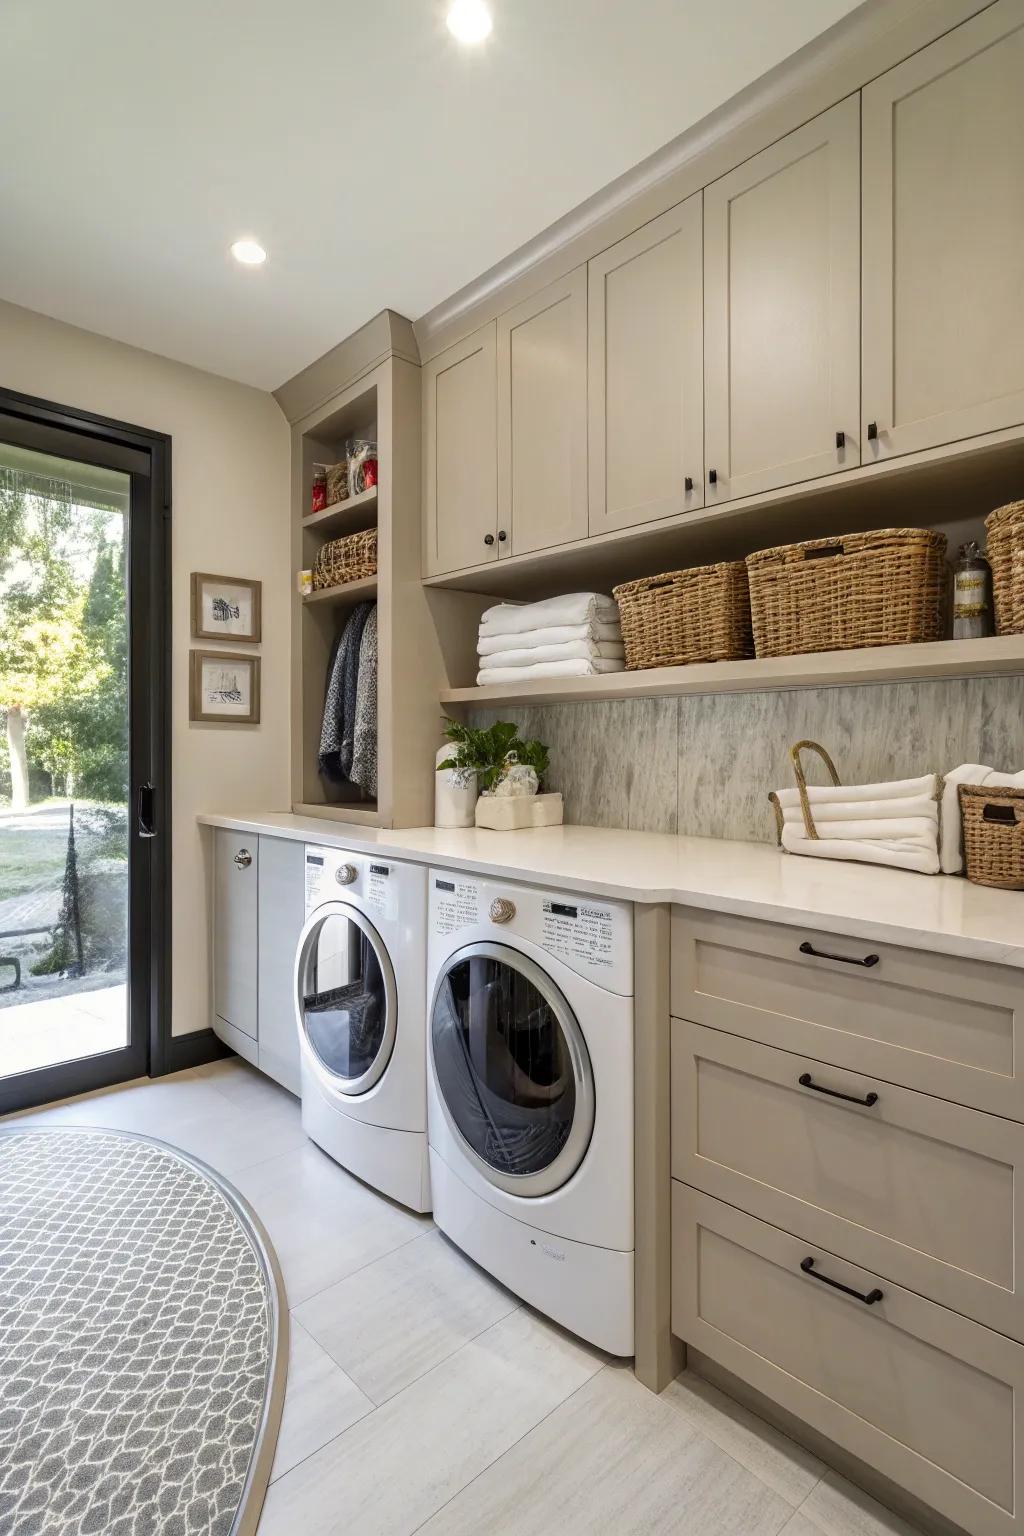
(137, 1340)
(337, 732)
(364, 736)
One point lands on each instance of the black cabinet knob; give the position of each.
(712, 476)
(872, 431)
(502, 535)
(840, 439)
(688, 483)
(488, 538)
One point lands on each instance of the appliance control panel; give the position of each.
(369, 883)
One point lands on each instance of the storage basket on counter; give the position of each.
(347, 559)
(1005, 551)
(681, 617)
(993, 832)
(880, 588)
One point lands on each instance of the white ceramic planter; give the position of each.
(454, 801)
(513, 813)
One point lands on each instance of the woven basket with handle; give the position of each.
(881, 588)
(347, 559)
(801, 784)
(1005, 550)
(993, 822)
(686, 616)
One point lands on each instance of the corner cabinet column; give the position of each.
(460, 519)
(944, 239)
(782, 311)
(235, 915)
(542, 419)
(646, 373)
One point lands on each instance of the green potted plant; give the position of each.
(507, 771)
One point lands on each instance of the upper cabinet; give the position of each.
(542, 418)
(460, 479)
(782, 311)
(944, 239)
(646, 394)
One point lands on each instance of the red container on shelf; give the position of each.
(319, 498)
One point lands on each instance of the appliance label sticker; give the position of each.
(581, 932)
(381, 896)
(456, 905)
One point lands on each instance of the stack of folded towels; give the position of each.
(895, 823)
(574, 636)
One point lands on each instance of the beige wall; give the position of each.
(230, 460)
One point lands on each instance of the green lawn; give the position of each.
(33, 851)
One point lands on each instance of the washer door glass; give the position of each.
(347, 997)
(512, 1069)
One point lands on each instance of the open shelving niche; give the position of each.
(369, 387)
(951, 490)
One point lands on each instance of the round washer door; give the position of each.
(512, 1069)
(346, 999)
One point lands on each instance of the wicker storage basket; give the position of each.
(337, 482)
(881, 588)
(347, 559)
(686, 616)
(993, 821)
(1005, 529)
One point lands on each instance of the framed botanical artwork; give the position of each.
(226, 608)
(224, 689)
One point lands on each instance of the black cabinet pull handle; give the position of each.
(807, 1081)
(502, 535)
(688, 483)
(868, 1298)
(488, 538)
(872, 431)
(840, 439)
(823, 954)
(712, 476)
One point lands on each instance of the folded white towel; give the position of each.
(573, 608)
(895, 823)
(552, 634)
(952, 841)
(919, 829)
(821, 794)
(577, 667)
(894, 852)
(827, 812)
(572, 650)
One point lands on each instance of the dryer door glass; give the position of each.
(512, 1069)
(347, 998)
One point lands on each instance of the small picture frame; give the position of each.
(226, 608)
(224, 689)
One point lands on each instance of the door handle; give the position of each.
(243, 858)
(147, 810)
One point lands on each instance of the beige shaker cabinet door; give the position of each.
(460, 521)
(944, 239)
(782, 311)
(646, 373)
(235, 949)
(542, 418)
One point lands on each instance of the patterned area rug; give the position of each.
(142, 1343)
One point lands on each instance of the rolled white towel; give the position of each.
(572, 650)
(918, 829)
(866, 811)
(952, 836)
(896, 853)
(573, 608)
(577, 667)
(551, 634)
(822, 794)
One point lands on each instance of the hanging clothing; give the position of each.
(337, 731)
(364, 751)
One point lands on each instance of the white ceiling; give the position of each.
(380, 163)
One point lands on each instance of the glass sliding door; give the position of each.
(76, 796)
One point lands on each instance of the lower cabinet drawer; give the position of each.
(927, 1397)
(918, 1189)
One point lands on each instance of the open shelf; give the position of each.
(822, 669)
(349, 592)
(361, 813)
(349, 516)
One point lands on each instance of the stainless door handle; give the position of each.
(243, 858)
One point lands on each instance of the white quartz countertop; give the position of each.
(935, 912)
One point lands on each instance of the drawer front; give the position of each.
(921, 1190)
(925, 1396)
(944, 1025)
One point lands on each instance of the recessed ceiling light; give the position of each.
(249, 252)
(469, 21)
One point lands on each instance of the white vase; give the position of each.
(454, 797)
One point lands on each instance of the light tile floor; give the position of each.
(422, 1397)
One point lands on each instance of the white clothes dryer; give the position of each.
(359, 1005)
(530, 1094)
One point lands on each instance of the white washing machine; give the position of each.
(360, 1010)
(530, 1094)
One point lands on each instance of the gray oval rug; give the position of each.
(142, 1341)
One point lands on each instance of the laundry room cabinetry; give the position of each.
(460, 455)
(836, 1157)
(258, 907)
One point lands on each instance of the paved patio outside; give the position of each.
(54, 1029)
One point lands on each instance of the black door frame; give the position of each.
(146, 456)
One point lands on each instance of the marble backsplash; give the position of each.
(703, 765)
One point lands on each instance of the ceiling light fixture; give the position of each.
(249, 252)
(469, 21)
